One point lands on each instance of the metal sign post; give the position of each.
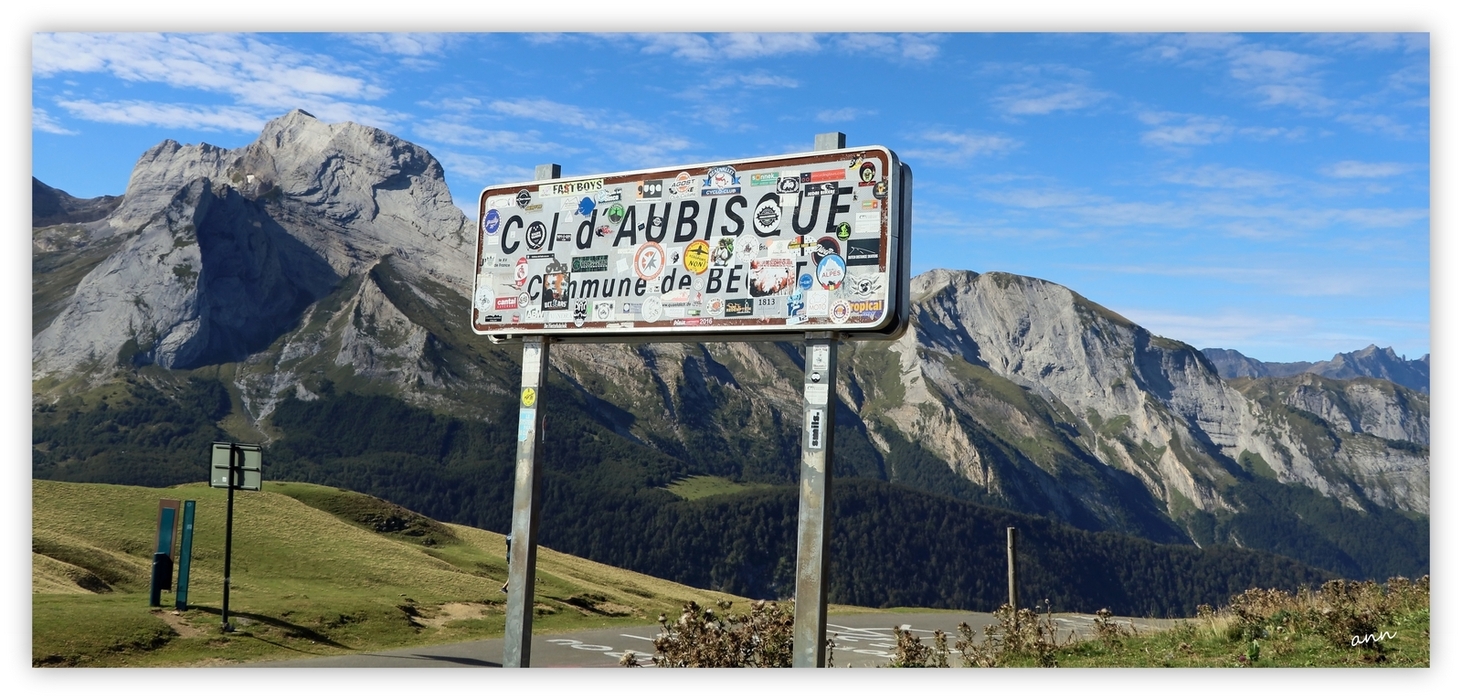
(527, 477)
(819, 399)
(235, 467)
(523, 543)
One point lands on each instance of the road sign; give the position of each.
(758, 249)
(250, 469)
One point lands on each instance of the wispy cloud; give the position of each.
(479, 169)
(1020, 100)
(1303, 281)
(457, 134)
(1041, 88)
(952, 147)
(698, 47)
(138, 113)
(1217, 176)
(553, 112)
(915, 47)
(40, 120)
(403, 44)
(252, 70)
(1038, 198)
(262, 78)
(1358, 169)
(1178, 132)
(1224, 329)
(846, 114)
(1381, 124)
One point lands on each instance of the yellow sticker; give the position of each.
(529, 396)
(697, 256)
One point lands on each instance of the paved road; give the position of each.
(861, 640)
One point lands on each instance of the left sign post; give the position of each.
(522, 552)
(236, 467)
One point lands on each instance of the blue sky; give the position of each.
(1263, 192)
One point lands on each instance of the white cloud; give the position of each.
(138, 113)
(253, 72)
(1028, 99)
(402, 44)
(1381, 124)
(1037, 199)
(1264, 133)
(764, 80)
(1216, 176)
(698, 47)
(846, 114)
(951, 147)
(915, 47)
(40, 120)
(1176, 130)
(596, 121)
(456, 134)
(1291, 280)
(1225, 329)
(1358, 169)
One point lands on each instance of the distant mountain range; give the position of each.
(50, 206)
(1368, 362)
(310, 291)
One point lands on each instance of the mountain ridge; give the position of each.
(1370, 361)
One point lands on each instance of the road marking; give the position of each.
(633, 636)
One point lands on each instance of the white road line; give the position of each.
(633, 636)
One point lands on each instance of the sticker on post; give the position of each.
(526, 417)
(815, 394)
(814, 429)
(818, 357)
(532, 361)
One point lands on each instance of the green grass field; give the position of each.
(316, 570)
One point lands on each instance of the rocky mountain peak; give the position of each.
(227, 246)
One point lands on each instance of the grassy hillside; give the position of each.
(316, 570)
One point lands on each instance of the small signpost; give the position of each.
(185, 556)
(235, 467)
(810, 246)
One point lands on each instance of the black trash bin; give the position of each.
(162, 577)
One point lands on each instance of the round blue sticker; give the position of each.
(586, 206)
(491, 221)
(831, 271)
(805, 281)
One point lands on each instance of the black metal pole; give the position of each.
(234, 457)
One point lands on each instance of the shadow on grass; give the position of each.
(289, 628)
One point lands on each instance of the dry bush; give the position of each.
(1110, 634)
(701, 638)
(1345, 613)
(911, 652)
(1018, 635)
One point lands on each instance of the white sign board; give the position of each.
(251, 468)
(778, 245)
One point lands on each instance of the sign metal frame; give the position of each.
(529, 243)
